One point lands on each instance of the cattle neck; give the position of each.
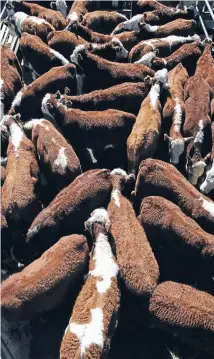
(80, 30)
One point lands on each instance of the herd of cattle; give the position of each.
(129, 95)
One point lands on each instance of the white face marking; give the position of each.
(30, 124)
(90, 333)
(99, 215)
(196, 171)
(59, 56)
(115, 196)
(16, 136)
(208, 184)
(151, 28)
(105, 265)
(62, 7)
(119, 171)
(176, 148)
(207, 205)
(130, 25)
(146, 59)
(17, 100)
(73, 16)
(61, 159)
(44, 107)
(162, 76)
(122, 53)
(74, 56)
(154, 95)
(200, 134)
(19, 17)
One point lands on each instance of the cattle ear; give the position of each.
(53, 5)
(188, 139)
(67, 91)
(166, 137)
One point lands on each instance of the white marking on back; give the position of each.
(151, 28)
(177, 118)
(61, 159)
(16, 136)
(30, 124)
(172, 40)
(131, 24)
(115, 196)
(59, 56)
(19, 17)
(199, 138)
(38, 21)
(146, 59)
(90, 333)
(17, 99)
(207, 205)
(154, 95)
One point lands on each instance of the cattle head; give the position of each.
(161, 77)
(176, 147)
(121, 52)
(47, 106)
(60, 5)
(98, 216)
(208, 184)
(195, 169)
(77, 55)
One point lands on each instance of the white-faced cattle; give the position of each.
(185, 312)
(143, 140)
(10, 81)
(165, 46)
(98, 73)
(39, 57)
(95, 313)
(61, 6)
(142, 6)
(125, 97)
(80, 8)
(138, 267)
(44, 283)
(103, 22)
(158, 178)
(175, 238)
(54, 18)
(19, 192)
(69, 209)
(92, 129)
(174, 111)
(208, 183)
(59, 162)
(28, 99)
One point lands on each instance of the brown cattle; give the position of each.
(125, 97)
(143, 140)
(54, 18)
(98, 73)
(19, 192)
(60, 163)
(80, 8)
(176, 239)
(137, 264)
(61, 6)
(93, 129)
(208, 183)
(28, 99)
(185, 312)
(174, 110)
(11, 81)
(205, 66)
(70, 208)
(158, 178)
(44, 283)
(103, 22)
(165, 46)
(95, 313)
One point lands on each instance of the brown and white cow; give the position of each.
(142, 6)
(165, 46)
(19, 192)
(28, 99)
(10, 81)
(54, 18)
(137, 264)
(158, 178)
(69, 209)
(59, 162)
(143, 140)
(44, 283)
(93, 129)
(61, 6)
(98, 73)
(174, 110)
(103, 22)
(95, 314)
(175, 238)
(197, 94)
(39, 57)
(208, 183)
(125, 97)
(185, 312)
(80, 8)
(20, 22)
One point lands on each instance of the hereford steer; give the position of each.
(158, 178)
(165, 46)
(95, 313)
(80, 8)
(103, 22)
(10, 81)
(125, 97)
(205, 66)
(21, 22)
(61, 6)
(136, 261)
(143, 140)
(44, 283)
(142, 6)
(175, 238)
(19, 192)
(70, 208)
(197, 123)
(55, 18)
(99, 73)
(28, 99)
(39, 57)
(208, 183)
(60, 163)
(185, 312)
(174, 110)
